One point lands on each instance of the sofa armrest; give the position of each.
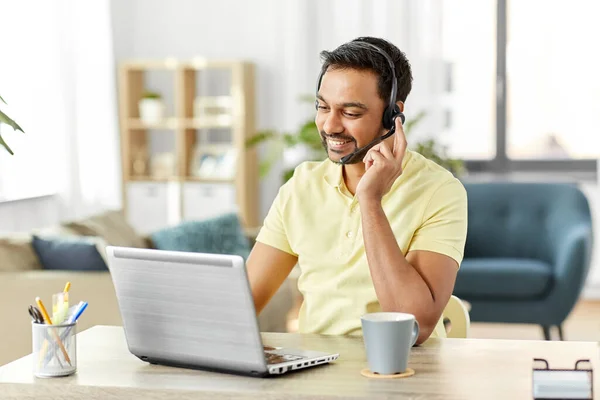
(572, 258)
(572, 255)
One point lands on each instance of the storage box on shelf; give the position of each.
(199, 176)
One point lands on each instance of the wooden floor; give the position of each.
(583, 324)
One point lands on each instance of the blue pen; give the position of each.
(82, 306)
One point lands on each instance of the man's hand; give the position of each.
(382, 167)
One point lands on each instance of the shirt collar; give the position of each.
(333, 174)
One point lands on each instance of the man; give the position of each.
(384, 233)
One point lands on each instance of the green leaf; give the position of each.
(3, 144)
(288, 174)
(274, 154)
(8, 121)
(309, 135)
(260, 137)
(5, 119)
(2, 100)
(413, 121)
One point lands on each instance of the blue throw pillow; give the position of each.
(218, 235)
(68, 253)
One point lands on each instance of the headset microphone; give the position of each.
(361, 152)
(390, 114)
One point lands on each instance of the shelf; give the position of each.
(194, 179)
(152, 179)
(208, 180)
(203, 63)
(218, 121)
(143, 65)
(169, 123)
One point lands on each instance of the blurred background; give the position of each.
(155, 115)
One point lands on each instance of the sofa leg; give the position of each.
(560, 332)
(546, 330)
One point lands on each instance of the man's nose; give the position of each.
(333, 124)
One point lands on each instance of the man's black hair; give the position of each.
(349, 55)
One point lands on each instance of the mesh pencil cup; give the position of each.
(54, 349)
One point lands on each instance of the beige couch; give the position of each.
(22, 279)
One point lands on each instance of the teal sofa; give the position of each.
(527, 252)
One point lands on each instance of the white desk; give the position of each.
(445, 369)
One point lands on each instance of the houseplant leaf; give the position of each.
(3, 144)
(8, 121)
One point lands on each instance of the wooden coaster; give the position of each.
(367, 372)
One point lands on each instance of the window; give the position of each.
(469, 52)
(553, 80)
(28, 45)
(522, 84)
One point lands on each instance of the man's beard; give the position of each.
(324, 137)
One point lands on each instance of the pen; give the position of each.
(81, 308)
(49, 322)
(67, 287)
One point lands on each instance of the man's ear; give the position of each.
(400, 105)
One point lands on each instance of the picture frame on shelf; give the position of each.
(214, 163)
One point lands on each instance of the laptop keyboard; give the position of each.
(273, 358)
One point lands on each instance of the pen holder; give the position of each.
(54, 349)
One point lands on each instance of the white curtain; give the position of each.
(58, 75)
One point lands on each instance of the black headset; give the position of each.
(391, 112)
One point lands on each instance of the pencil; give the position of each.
(66, 293)
(49, 322)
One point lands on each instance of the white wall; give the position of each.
(24, 215)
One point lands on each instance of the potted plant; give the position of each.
(5, 119)
(151, 107)
(305, 145)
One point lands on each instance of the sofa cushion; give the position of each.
(16, 253)
(502, 278)
(218, 235)
(69, 253)
(112, 226)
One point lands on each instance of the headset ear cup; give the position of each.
(398, 114)
(390, 116)
(388, 120)
(402, 117)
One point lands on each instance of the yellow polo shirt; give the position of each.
(315, 218)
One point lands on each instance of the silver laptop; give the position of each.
(196, 310)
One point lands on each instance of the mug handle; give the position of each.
(415, 333)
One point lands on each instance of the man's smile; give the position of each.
(339, 145)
